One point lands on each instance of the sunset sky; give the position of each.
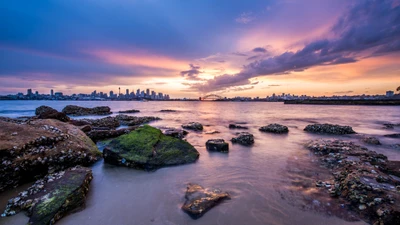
(190, 48)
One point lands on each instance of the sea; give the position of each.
(271, 182)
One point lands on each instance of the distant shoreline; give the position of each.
(383, 102)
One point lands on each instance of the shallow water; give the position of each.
(259, 178)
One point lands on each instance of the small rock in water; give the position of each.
(193, 126)
(275, 128)
(234, 126)
(200, 200)
(371, 140)
(218, 145)
(329, 129)
(244, 138)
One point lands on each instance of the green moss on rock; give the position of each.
(148, 148)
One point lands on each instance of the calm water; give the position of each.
(256, 177)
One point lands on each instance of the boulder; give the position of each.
(370, 140)
(193, 126)
(200, 200)
(147, 148)
(129, 111)
(75, 110)
(30, 151)
(275, 128)
(109, 122)
(53, 197)
(234, 126)
(173, 132)
(329, 129)
(218, 145)
(44, 109)
(244, 138)
(46, 112)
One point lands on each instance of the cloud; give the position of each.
(192, 73)
(274, 85)
(343, 92)
(367, 29)
(245, 18)
(259, 49)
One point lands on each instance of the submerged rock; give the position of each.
(234, 126)
(168, 110)
(371, 140)
(200, 200)
(212, 132)
(52, 197)
(40, 147)
(218, 145)
(392, 135)
(275, 128)
(134, 120)
(147, 148)
(46, 112)
(244, 138)
(173, 132)
(388, 126)
(75, 110)
(129, 111)
(193, 126)
(329, 129)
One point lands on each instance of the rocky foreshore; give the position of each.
(51, 198)
(30, 151)
(366, 180)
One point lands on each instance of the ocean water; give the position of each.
(263, 179)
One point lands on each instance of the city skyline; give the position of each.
(187, 49)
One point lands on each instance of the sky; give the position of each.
(193, 48)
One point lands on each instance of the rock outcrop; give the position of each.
(193, 126)
(168, 110)
(275, 128)
(134, 120)
(52, 197)
(235, 126)
(365, 180)
(46, 112)
(217, 145)
(173, 132)
(75, 110)
(147, 148)
(392, 135)
(30, 151)
(200, 200)
(244, 138)
(329, 129)
(99, 135)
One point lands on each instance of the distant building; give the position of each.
(58, 94)
(111, 94)
(389, 93)
(51, 92)
(29, 92)
(127, 92)
(147, 92)
(138, 92)
(36, 93)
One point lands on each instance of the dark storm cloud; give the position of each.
(367, 29)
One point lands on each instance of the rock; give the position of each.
(44, 109)
(173, 132)
(109, 122)
(147, 148)
(329, 129)
(129, 111)
(200, 200)
(218, 145)
(41, 146)
(168, 110)
(388, 126)
(371, 140)
(79, 123)
(99, 135)
(74, 110)
(234, 126)
(212, 132)
(244, 138)
(53, 197)
(134, 121)
(86, 128)
(193, 126)
(46, 112)
(275, 128)
(392, 135)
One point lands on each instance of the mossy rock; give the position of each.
(148, 148)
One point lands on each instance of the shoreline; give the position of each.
(382, 102)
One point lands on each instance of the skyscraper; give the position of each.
(147, 92)
(29, 92)
(127, 92)
(51, 92)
